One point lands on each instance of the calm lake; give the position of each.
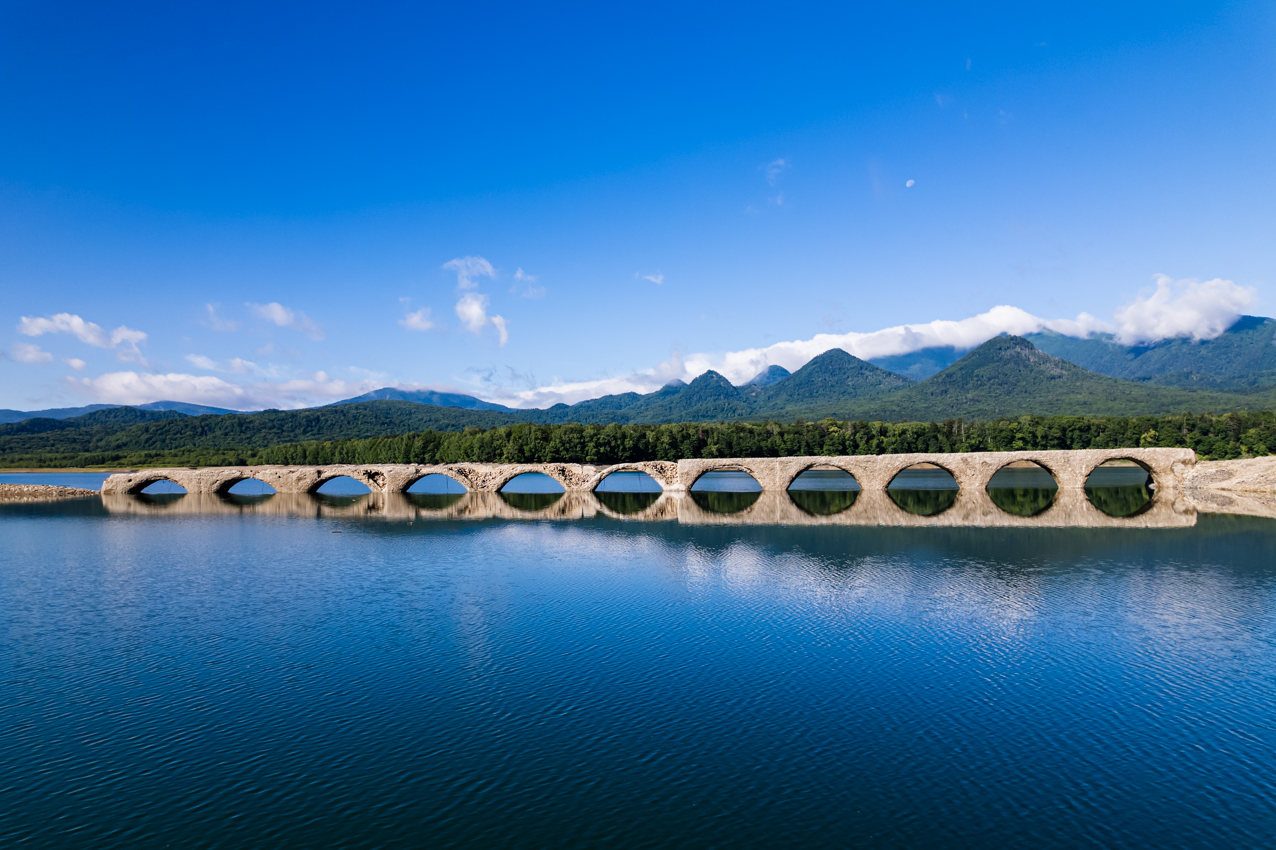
(231, 680)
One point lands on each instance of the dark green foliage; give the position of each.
(1008, 376)
(1219, 437)
(627, 503)
(127, 432)
(1241, 360)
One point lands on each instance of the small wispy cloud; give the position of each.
(468, 268)
(656, 278)
(285, 317)
(527, 286)
(236, 365)
(123, 339)
(418, 320)
(76, 363)
(25, 352)
(775, 169)
(216, 322)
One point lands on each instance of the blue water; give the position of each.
(249, 680)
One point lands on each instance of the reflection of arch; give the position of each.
(353, 474)
(1023, 495)
(448, 474)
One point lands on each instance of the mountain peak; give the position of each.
(770, 375)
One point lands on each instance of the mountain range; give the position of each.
(1005, 377)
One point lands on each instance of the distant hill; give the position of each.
(118, 432)
(825, 384)
(465, 402)
(9, 416)
(1008, 376)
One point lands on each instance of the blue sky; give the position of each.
(256, 205)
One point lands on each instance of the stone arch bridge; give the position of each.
(1169, 468)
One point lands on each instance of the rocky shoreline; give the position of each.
(41, 492)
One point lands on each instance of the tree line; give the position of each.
(1226, 436)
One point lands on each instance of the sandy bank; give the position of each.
(41, 492)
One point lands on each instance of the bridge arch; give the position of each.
(144, 481)
(548, 470)
(756, 474)
(353, 474)
(449, 474)
(225, 487)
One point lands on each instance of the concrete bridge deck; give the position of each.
(1169, 468)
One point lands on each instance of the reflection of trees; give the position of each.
(627, 503)
(723, 503)
(159, 498)
(530, 501)
(823, 502)
(1022, 501)
(924, 502)
(1121, 501)
(434, 501)
(247, 501)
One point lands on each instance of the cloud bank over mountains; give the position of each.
(1186, 308)
(1192, 309)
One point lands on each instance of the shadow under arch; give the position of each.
(823, 490)
(923, 489)
(1120, 487)
(246, 486)
(340, 485)
(1023, 488)
(159, 486)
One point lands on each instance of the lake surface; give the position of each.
(205, 680)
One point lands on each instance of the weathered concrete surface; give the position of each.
(1249, 475)
(972, 470)
(1169, 468)
(872, 508)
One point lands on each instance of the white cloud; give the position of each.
(143, 387)
(499, 323)
(1184, 308)
(76, 363)
(25, 352)
(472, 311)
(88, 333)
(656, 278)
(287, 318)
(417, 321)
(202, 362)
(909, 184)
(529, 289)
(775, 169)
(216, 322)
(468, 268)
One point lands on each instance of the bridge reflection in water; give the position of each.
(1068, 508)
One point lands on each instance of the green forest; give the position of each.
(1212, 437)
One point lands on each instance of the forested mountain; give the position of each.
(1009, 376)
(9, 416)
(1005, 377)
(1243, 359)
(465, 402)
(120, 431)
